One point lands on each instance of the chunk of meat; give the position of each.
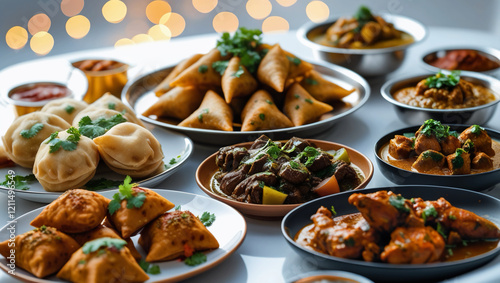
(424, 142)
(449, 144)
(320, 162)
(429, 160)
(459, 162)
(480, 138)
(293, 172)
(260, 142)
(370, 32)
(482, 161)
(229, 157)
(413, 245)
(400, 147)
(296, 144)
(230, 180)
(244, 191)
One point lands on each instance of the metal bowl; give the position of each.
(415, 115)
(489, 52)
(366, 62)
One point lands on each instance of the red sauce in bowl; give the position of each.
(38, 92)
(467, 60)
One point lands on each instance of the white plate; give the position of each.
(229, 228)
(174, 145)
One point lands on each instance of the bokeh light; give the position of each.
(140, 38)
(205, 6)
(225, 22)
(42, 42)
(16, 37)
(124, 42)
(114, 11)
(159, 32)
(275, 24)
(259, 9)
(71, 8)
(317, 11)
(39, 22)
(174, 22)
(286, 3)
(156, 9)
(78, 26)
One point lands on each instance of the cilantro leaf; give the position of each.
(69, 109)
(125, 192)
(136, 201)
(207, 218)
(28, 134)
(101, 183)
(203, 69)
(69, 144)
(19, 182)
(433, 127)
(476, 130)
(149, 267)
(126, 188)
(399, 203)
(220, 66)
(105, 242)
(244, 44)
(178, 207)
(196, 259)
(112, 106)
(100, 126)
(443, 81)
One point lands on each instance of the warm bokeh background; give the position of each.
(34, 28)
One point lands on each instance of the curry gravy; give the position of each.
(406, 164)
(319, 37)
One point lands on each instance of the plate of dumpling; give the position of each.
(133, 234)
(70, 144)
(244, 88)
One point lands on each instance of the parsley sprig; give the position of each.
(28, 134)
(243, 44)
(443, 81)
(207, 218)
(100, 126)
(105, 242)
(69, 144)
(19, 182)
(433, 127)
(125, 192)
(149, 267)
(196, 259)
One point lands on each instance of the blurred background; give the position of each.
(39, 28)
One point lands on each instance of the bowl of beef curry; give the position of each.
(464, 156)
(267, 178)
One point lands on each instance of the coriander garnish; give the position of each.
(441, 80)
(105, 242)
(125, 192)
(28, 134)
(69, 144)
(100, 126)
(69, 109)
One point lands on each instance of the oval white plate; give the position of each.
(229, 228)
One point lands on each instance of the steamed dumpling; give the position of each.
(66, 108)
(63, 169)
(109, 101)
(129, 149)
(95, 113)
(27, 132)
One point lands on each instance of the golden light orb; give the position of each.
(259, 9)
(42, 43)
(174, 22)
(286, 3)
(317, 11)
(275, 24)
(78, 26)
(141, 38)
(156, 9)
(160, 32)
(114, 11)
(204, 6)
(225, 22)
(39, 22)
(124, 42)
(71, 8)
(16, 37)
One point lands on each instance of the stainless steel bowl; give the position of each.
(488, 52)
(417, 115)
(366, 62)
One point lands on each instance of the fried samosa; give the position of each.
(273, 69)
(164, 86)
(298, 67)
(237, 81)
(201, 73)
(323, 89)
(129, 219)
(213, 113)
(260, 113)
(178, 103)
(75, 211)
(301, 107)
(103, 260)
(42, 251)
(175, 234)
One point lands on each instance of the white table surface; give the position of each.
(264, 255)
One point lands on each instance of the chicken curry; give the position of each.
(389, 228)
(436, 150)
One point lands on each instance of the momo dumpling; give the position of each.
(101, 113)
(261, 113)
(103, 260)
(42, 251)
(301, 107)
(129, 149)
(128, 220)
(27, 132)
(164, 86)
(178, 103)
(66, 108)
(109, 101)
(213, 113)
(66, 160)
(174, 234)
(273, 69)
(74, 211)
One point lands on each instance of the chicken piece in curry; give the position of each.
(390, 228)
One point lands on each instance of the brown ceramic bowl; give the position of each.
(208, 168)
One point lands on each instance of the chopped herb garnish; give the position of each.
(149, 267)
(428, 212)
(310, 81)
(433, 127)
(207, 218)
(296, 61)
(458, 161)
(220, 66)
(19, 182)
(269, 102)
(204, 111)
(178, 207)
(262, 116)
(105, 242)
(196, 259)
(433, 155)
(332, 209)
(100, 126)
(82, 261)
(399, 203)
(294, 165)
(69, 109)
(296, 96)
(309, 101)
(125, 192)
(310, 153)
(28, 134)
(101, 183)
(69, 144)
(273, 151)
(203, 69)
(297, 107)
(349, 242)
(238, 72)
(443, 81)
(468, 146)
(441, 230)
(244, 44)
(452, 217)
(476, 130)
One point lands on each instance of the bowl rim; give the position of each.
(40, 103)
(385, 91)
(377, 146)
(276, 207)
(306, 28)
(491, 51)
